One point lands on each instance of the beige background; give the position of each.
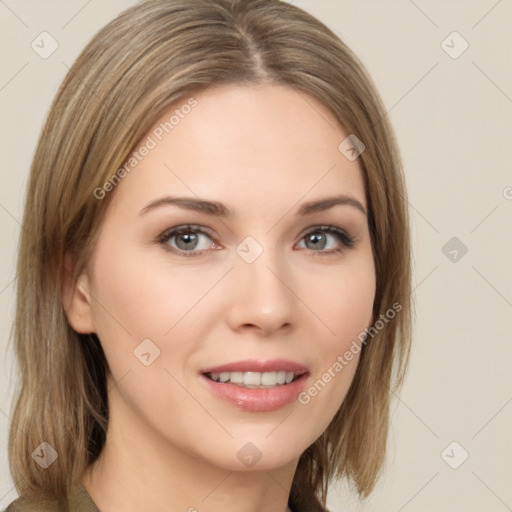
(453, 118)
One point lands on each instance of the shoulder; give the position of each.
(79, 501)
(24, 505)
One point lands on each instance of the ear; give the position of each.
(76, 298)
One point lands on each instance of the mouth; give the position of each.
(255, 380)
(256, 386)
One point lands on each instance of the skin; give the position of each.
(263, 151)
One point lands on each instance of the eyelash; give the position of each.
(347, 242)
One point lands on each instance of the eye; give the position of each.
(187, 240)
(191, 240)
(317, 239)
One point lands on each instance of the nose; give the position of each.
(261, 296)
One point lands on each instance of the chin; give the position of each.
(257, 451)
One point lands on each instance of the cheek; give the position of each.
(344, 303)
(144, 297)
(343, 300)
(145, 311)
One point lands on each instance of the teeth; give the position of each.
(236, 377)
(269, 378)
(254, 379)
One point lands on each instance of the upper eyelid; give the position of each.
(191, 227)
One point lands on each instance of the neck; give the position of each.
(143, 471)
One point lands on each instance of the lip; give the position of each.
(253, 399)
(249, 365)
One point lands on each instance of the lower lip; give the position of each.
(257, 400)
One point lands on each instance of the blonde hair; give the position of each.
(151, 56)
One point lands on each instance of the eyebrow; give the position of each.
(218, 209)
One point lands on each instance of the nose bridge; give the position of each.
(263, 296)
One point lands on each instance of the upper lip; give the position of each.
(252, 365)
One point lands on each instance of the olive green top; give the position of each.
(81, 501)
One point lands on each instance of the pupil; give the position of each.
(189, 238)
(316, 237)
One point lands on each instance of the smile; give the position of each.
(256, 386)
(253, 379)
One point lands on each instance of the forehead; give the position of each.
(240, 143)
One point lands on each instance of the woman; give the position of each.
(214, 280)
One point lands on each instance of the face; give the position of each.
(222, 290)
